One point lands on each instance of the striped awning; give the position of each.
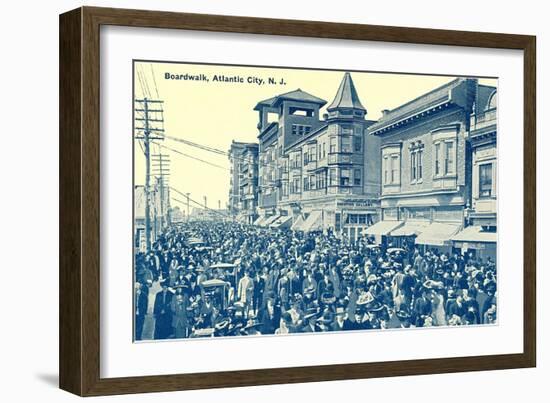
(383, 227)
(437, 234)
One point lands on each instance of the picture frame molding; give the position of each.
(79, 193)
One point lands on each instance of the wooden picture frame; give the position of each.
(79, 348)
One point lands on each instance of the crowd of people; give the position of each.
(230, 279)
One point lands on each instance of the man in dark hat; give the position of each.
(310, 319)
(269, 315)
(180, 318)
(162, 312)
(422, 308)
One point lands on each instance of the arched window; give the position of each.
(492, 104)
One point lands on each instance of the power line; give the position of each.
(154, 80)
(214, 150)
(191, 157)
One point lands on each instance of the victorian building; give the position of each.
(243, 181)
(480, 236)
(426, 171)
(318, 174)
(248, 184)
(234, 153)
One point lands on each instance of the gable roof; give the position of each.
(346, 96)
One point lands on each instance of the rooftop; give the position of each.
(296, 95)
(346, 96)
(434, 97)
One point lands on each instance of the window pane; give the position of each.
(419, 162)
(485, 180)
(346, 144)
(437, 158)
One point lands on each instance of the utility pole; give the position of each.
(149, 126)
(161, 170)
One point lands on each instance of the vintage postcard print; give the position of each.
(275, 201)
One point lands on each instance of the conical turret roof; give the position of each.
(346, 97)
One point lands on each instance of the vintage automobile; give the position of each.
(218, 290)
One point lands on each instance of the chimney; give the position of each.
(385, 112)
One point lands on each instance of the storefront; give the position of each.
(437, 236)
(478, 241)
(382, 229)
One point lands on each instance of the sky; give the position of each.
(213, 113)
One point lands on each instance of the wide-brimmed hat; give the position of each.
(364, 299)
(374, 306)
(403, 315)
(328, 298)
(433, 285)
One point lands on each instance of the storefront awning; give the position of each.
(258, 220)
(283, 221)
(474, 234)
(298, 223)
(314, 222)
(410, 228)
(382, 227)
(437, 233)
(270, 220)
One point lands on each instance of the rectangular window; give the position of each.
(312, 156)
(324, 149)
(300, 130)
(437, 158)
(346, 145)
(333, 143)
(419, 163)
(386, 169)
(485, 180)
(394, 169)
(357, 144)
(332, 177)
(357, 177)
(449, 160)
(413, 166)
(306, 184)
(344, 177)
(312, 184)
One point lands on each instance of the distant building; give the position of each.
(318, 174)
(426, 171)
(235, 165)
(481, 234)
(248, 184)
(243, 182)
(176, 215)
(208, 214)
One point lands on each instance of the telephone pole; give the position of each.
(161, 170)
(149, 125)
